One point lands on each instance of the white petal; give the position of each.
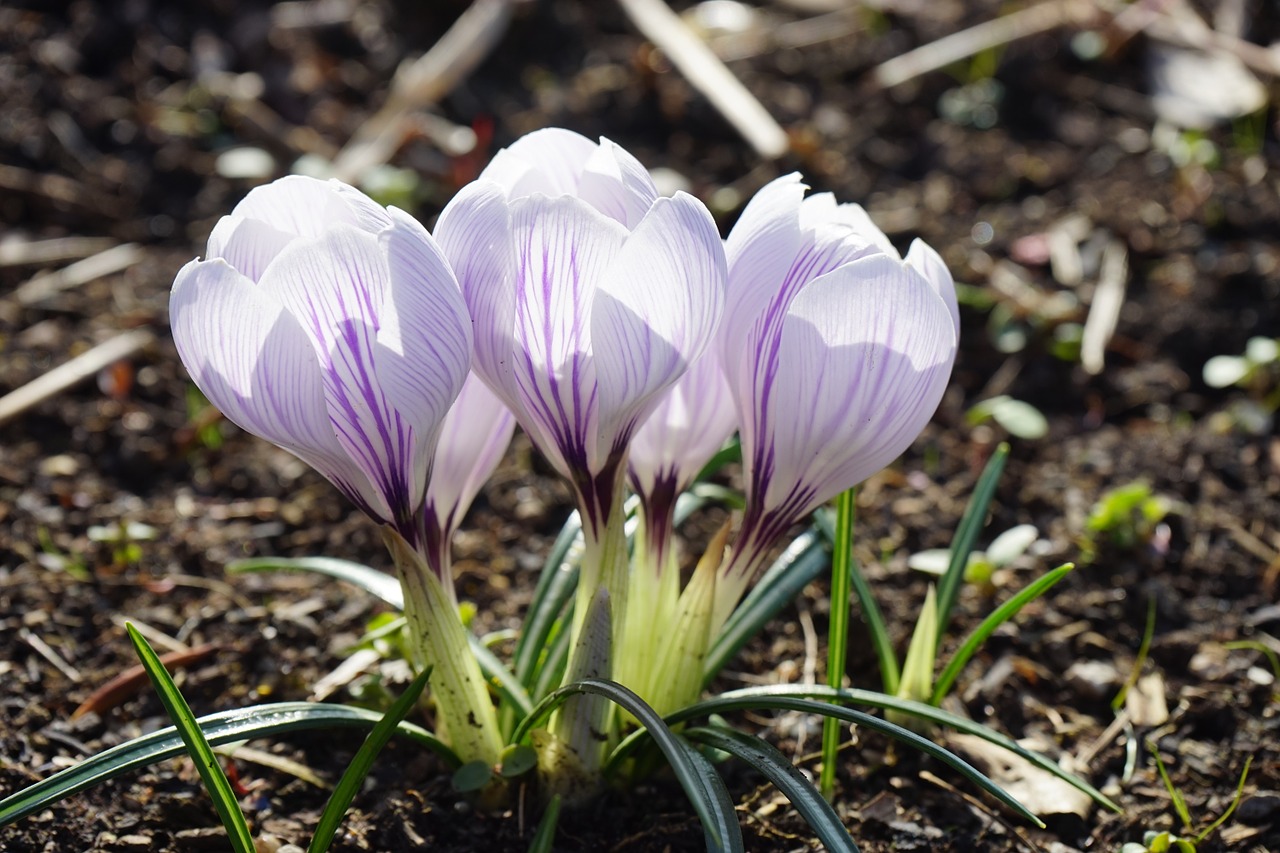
(922, 258)
(564, 248)
(864, 357)
(249, 245)
(690, 424)
(474, 233)
(473, 438)
(657, 310)
(256, 364)
(306, 207)
(617, 185)
(548, 161)
(760, 250)
(339, 288)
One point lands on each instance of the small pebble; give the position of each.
(1093, 679)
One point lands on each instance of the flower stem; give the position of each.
(465, 712)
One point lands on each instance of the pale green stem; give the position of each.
(653, 593)
(465, 714)
(582, 723)
(604, 560)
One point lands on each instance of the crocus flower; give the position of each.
(334, 328)
(590, 294)
(837, 352)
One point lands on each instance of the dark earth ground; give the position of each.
(112, 116)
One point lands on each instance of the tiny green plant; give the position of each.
(1164, 841)
(1124, 518)
(1017, 417)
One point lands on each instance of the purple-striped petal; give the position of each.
(656, 312)
(254, 362)
(691, 423)
(474, 233)
(473, 438)
(864, 357)
(338, 287)
(564, 249)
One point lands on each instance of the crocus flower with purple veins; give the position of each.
(335, 329)
(837, 351)
(590, 295)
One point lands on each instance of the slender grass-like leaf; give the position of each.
(369, 579)
(500, 678)
(890, 675)
(710, 808)
(917, 667)
(725, 836)
(1140, 660)
(1235, 801)
(551, 670)
(838, 632)
(998, 617)
(801, 563)
(731, 452)
(353, 777)
(758, 697)
(211, 773)
(975, 516)
(545, 838)
(557, 583)
(848, 715)
(778, 769)
(221, 728)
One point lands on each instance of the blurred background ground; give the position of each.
(1047, 172)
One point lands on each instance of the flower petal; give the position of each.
(691, 422)
(473, 438)
(249, 245)
(922, 258)
(864, 358)
(548, 161)
(254, 362)
(617, 185)
(656, 312)
(564, 248)
(339, 288)
(760, 250)
(474, 233)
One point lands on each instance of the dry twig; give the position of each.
(73, 372)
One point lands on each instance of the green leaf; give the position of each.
(910, 738)
(221, 728)
(517, 760)
(1011, 544)
(369, 579)
(472, 776)
(1223, 371)
(1019, 418)
(545, 838)
(838, 633)
(500, 678)
(731, 452)
(880, 639)
(757, 697)
(917, 669)
(725, 835)
(1002, 614)
(211, 773)
(556, 586)
(708, 803)
(779, 770)
(358, 769)
(971, 523)
(802, 562)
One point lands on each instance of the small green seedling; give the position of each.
(1168, 842)
(124, 537)
(1124, 517)
(1015, 416)
(1261, 356)
(982, 565)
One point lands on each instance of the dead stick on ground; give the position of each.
(105, 263)
(73, 372)
(423, 82)
(16, 253)
(1008, 28)
(706, 73)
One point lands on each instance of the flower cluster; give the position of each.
(561, 292)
